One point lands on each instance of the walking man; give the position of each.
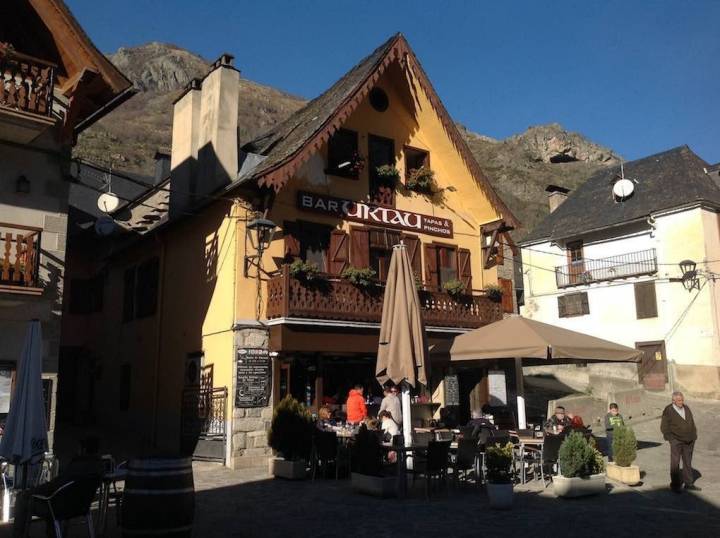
(678, 428)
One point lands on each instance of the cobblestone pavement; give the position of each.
(249, 504)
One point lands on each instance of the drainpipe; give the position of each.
(158, 342)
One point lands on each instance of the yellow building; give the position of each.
(197, 317)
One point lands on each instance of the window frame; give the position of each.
(406, 149)
(449, 246)
(640, 313)
(334, 160)
(584, 309)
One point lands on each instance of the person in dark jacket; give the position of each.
(678, 428)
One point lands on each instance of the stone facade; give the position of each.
(248, 431)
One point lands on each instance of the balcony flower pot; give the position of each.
(290, 435)
(500, 487)
(421, 180)
(454, 288)
(627, 475)
(288, 469)
(387, 175)
(362, 278)
(494, 293)
(579, 486)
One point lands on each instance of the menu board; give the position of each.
(497, 388)
(253, 382)
(452, 390)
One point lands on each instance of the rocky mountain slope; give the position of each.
(520, 167)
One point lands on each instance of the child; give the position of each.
(612, 419)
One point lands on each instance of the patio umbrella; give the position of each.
(402, 352)
(519, 338)
(24, 439)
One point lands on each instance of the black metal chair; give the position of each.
(422, 438)
(466, 460)
(434, 465)
(551, 449)
(70, 500)
(325, 452)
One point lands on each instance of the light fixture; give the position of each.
(258, 234)
(689, 277)
(687, 266)
(22, 185)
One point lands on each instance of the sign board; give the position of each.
(253, 377)
(372, 214)
(452, 390)
(497, 389)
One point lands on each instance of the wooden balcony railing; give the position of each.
(643, 262)
(338, 299)
(26, 83)
(19, 258)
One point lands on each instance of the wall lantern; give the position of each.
(22, 185)
(258, 234)
(689, 277)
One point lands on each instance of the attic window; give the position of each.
(343, 157)
(379, 99)
(415, 159)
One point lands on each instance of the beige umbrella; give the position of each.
(402, 352)
(521, 339)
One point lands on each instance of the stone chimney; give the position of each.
(556, 196)
(205, 136)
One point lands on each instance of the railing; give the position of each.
(26, 83)
(203, 413)
(19, 258)
(581, 272)
(338, 299)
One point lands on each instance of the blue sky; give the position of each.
(639, 77)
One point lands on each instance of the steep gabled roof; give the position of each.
(667, 180)
(288, 145)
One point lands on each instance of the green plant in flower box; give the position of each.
(421, 180)
(387, 175)
(303, 270)
(454, 287)
(578, 458)
(498, 461)
(361, 277)
(493, 292)
(291, 430)
(624, 445)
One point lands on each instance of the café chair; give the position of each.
(324, 452)
(69, 501)
(422, 438)
(466, 460)
(434, 466)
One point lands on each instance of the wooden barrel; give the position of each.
(159, 498)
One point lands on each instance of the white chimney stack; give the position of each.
(556, 196)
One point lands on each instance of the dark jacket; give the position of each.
(675, 428)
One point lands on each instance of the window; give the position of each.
(381, 151)
(379, 99)
(574, 304)
(441, 265)
(576, 263)
(125, 379)
(645, 300)
(414, 159)
(86, 295)
(307, 241)
(447, 264)
(343, 154)
(140, 292)
(381, 245)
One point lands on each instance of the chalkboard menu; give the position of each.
(253, 381)
(452, 390)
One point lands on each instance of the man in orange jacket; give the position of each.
(356, 410)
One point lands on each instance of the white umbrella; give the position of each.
(24, 439)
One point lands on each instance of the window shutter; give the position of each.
(645, 300)
(464, 268)
(432, 278)
(412, 243)
(562, 306)
(291, 236)
(585, 308)
(507, 294)
(129, 294)
(338, 256)
(359, 248)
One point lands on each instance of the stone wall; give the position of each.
(248, 431)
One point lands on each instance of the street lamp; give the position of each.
(259, 233)
(689, 274)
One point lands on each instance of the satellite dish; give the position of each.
(104, 226)
(623, 188)
(108, 202)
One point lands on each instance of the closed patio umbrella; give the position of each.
(402, 352)
(24, 439)
(520, 339)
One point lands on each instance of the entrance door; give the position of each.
(652, 370)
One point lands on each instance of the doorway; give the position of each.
(652, 370)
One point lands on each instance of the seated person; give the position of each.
(447, 419)
(388, 424)
(577, 425)
(558, 422)
(324, 417)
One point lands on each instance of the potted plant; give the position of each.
(290, 436)
(367, 470)
(387, 175)
(304, 271)
(421, 180)
(361, 277)
(454, 287)
(581, 468)
(498, 461)
(624, 451)
(493, 292)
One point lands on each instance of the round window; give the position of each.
(379, 99)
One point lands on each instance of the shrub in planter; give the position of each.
(360, 277)
(624, 451)
(498, 460)
(493, 292)
(581, 468)
(305, 271)
(454, 287)
(291, 431)
(387, 175)
(421, 180)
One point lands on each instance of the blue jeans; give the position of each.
(609, 441)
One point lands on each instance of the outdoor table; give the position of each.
(403, 453)
(109, 480)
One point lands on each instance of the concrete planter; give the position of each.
(578, 487)
(500, 495)
(291, 470)
(627, 475)
(377, 486)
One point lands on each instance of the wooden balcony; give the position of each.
(581, 272)
(19, 259)
(338, 299)
(26, 95)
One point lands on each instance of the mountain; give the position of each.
(519, 167)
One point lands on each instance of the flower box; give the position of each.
(377, 486)
(579, 486)
(290, 470)
(627, 475)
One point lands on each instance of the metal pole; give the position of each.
(520, 391)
